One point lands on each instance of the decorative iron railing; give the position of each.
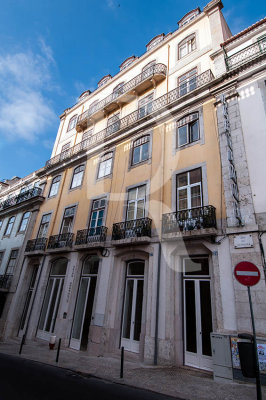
(246, 55)
(62, 240)
(5, 281)
(155, 106)
(188, 220)
(133, 83)
(20, 198)
(91, 235)
(133, 228)
(36, 244)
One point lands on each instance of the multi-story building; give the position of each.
(20, 200)
(133, 245)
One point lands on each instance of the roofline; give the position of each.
(242, 33)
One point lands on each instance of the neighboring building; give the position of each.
(134, 243)
(20, 200)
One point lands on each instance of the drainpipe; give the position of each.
(155, 361)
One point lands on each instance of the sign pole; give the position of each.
(258, 384)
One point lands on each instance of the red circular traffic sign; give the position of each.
(247, 274)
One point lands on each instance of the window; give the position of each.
(68, 218)
(72, 123)
(1, 257)
(154, 41)
(9, 226)
(145, 106)
(93, 107)
(77, 177)
(148, 70)
(24, 222)
(187, 82)
(105, 165)
(127, 62)
(104, 80)
(11, 263)
(189, 17)
(118, 90)
(86, 135)
(188, 129)
(44, 226)
(136, 203)
(54, 186)
(65, 151)
(1, 223)
(97, 214)
(189, 190)
(113, 124)
(187, 46)
(141, 149)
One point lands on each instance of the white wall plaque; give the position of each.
(241, 241)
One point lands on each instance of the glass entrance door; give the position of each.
(197, 313)
(52, 299)
(133, 302)
(84, 304)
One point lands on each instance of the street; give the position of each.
(22, 379)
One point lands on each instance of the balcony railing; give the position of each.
(91, 235)
(246, 55)
(133, 228)
(157, 69)
(5, 281)
(36, 244)
(189, 220)
(62, 240)
(154, 106)
(12, 201)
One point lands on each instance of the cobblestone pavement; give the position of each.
(185, 383)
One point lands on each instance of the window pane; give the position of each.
(141, 192)
(136, 155)
(196, 266)
(195, 176)
(182, 199)
(182, 135)
(190, 317)
(59, 267)
(132, 194)
(128, 309)
(195, 196)
(138, 310)
(108, 165)
(145, 151)
(101, 170)
(131, 211)
(140, 209)
(194, 131)
(182, 180)
(136, 268)
(91, 265)
(78, 320)
(206, 317)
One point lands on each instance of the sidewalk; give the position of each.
(178, 382)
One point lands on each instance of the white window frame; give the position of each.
(136, 201)
(77, 177)
(188, 187)
(54, 186)
(105, 165)
(188, 45)
(188, 121)
(23, 219)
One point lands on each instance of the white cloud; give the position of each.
(25, 112)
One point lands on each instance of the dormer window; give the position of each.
(154, 41)
(84, 94)
(127, 62)
(187, 46)
(189, 17)
(72, 122)
(104, 80)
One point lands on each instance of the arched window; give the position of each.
(54, 186)
(188, 129)
(9, 226)
(154, 41)
(105, 165)
(77, 176)
(148, 70)
(104, 80)
(72, 122)
(127, 62)
(118, 90)
(53, 295)
(187, 46)
(93, 106)
(24, 222)
(140, 149)
(189, 17)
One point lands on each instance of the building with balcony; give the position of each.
(132, 245)
(20, 201)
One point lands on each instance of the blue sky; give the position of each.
(53, 50)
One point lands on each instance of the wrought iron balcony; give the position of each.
(189, 220)
(38, 244)
(110, 103)
(91, 235)
(61, 240)
(133, 228)
(12, 201)
(246, 55)
(5, 281)
(154, 106)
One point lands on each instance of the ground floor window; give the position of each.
(133, 304)
(53, 296)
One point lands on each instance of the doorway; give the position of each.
(197, 312)
(84, 304)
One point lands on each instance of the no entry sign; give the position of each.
(246, 273)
